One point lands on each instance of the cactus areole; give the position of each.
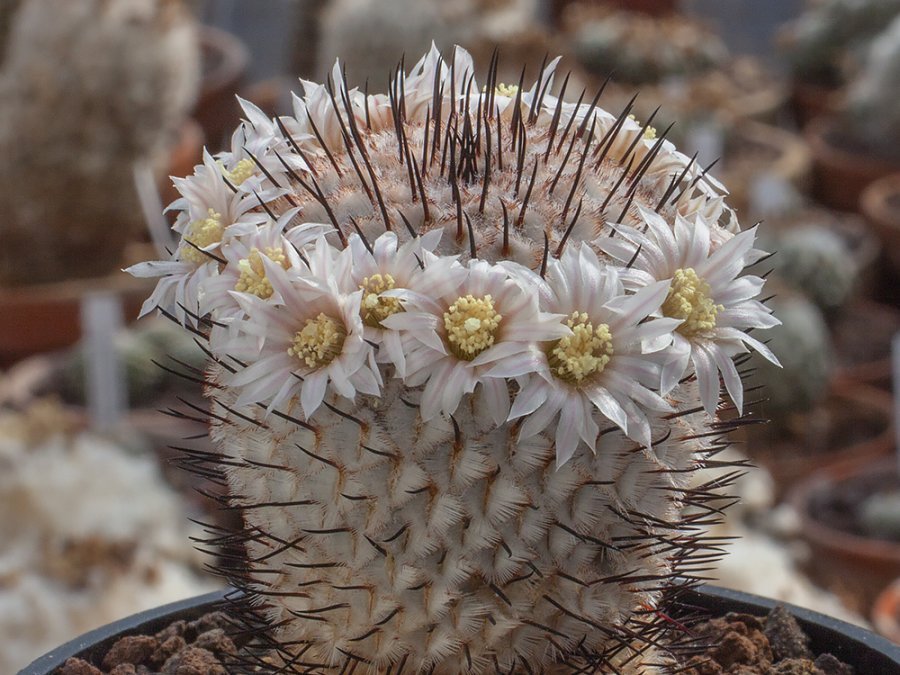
(467, 346)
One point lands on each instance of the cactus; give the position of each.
(89, 89)
(468, 345)
(872, 113)
(141, 351)
(642, 49)
(829, 38)
(363, 33)
(815, 261)
(803, 346)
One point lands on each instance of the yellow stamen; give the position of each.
(375, 309)
(586, 352)
(471, 325)
(319, 342)
(201, 233)
(690, 301)
(649, 132)
(509, 90)
(241, 171)
(253, 277)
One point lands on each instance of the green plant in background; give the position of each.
(145, 353)
(803, 345)
(814, 260)
(467, 346)
(89, 89)
(363, 33)
(872, 111)
(832, 35)
(639, 48)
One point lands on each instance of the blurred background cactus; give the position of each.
(803, 346)
(872, 109)
(829, 39)
(89, 90)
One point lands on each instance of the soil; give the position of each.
(748, 645)
(199, 647)
(738, 643)
(840, 507)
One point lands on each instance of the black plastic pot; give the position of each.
(865, 651)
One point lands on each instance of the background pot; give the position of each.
(841, 171)
(863, 650)
(225, 59)
(880, 205)
(854, 566)
(886, 612)
(853, 423)
(46, 317)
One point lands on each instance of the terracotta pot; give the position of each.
(886, 612)
(841, 170)
(46, 317)
(809, 101)
(856, 567)
(880, 204)
(185, 154)
(854, 422)
(862, 332)
(225, 59)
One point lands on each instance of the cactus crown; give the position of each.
(459, 404)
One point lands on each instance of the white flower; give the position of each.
(716, 305)
(388, 267)
(209, 213)
(310, 339)
(601, 365)
(467, 321)
(243, 270)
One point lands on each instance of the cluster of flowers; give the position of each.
(611, 335)
(610, 327)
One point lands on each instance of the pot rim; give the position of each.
(832, 538)
(858, 646)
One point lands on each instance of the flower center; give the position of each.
(319, 342)
(509, 90)
(375, 309)
(585, 352)
(689, 301)
(241, 171)
(253, 277)
(471, 324)
(201, 233)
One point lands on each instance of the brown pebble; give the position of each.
(831, 665)
(795, 667)
(207, 622)
(124, 669)
(787, 639)
(216, 641)
(175, 628)
(74, 666)
(166, 650)
(134, 649)
(193, 661)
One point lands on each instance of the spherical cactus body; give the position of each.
(468, 345)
